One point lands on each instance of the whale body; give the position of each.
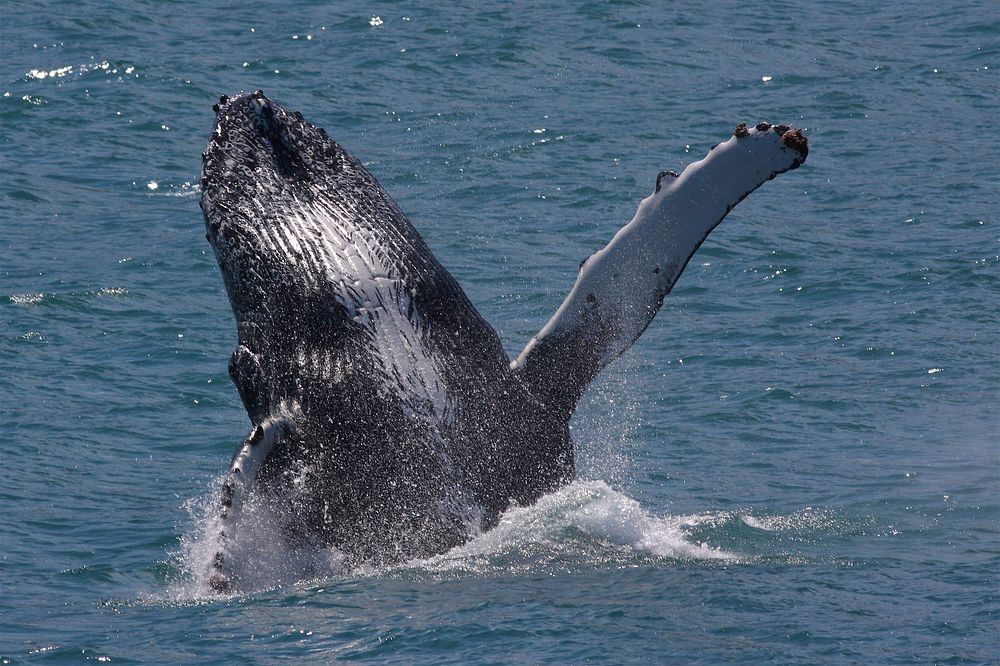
(386, 418)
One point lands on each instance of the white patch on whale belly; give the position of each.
(375, 296)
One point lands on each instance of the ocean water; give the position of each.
(799, 462)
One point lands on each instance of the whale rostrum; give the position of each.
(386, 419)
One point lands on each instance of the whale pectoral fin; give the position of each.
(620, 288)
(246, 470)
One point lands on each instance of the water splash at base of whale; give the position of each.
(582, 525)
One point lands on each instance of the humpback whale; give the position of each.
(386, 419)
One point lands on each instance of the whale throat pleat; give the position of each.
(359, 272)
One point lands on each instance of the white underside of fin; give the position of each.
(620, 286)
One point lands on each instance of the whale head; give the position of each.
(267, 174)
(261, 151)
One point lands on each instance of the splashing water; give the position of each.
(585, 524)
(258, 549)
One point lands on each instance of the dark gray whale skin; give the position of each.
(378, 462)
(385, 414)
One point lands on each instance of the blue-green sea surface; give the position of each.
(799, 462)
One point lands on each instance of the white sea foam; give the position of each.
(26, 299)
(809, 519)
(111, 291)
(586, 523)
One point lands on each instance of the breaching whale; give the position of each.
(386, 418)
